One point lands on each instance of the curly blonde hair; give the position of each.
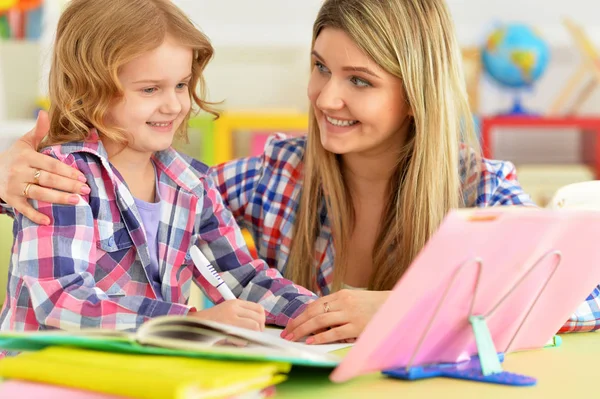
(97, 37)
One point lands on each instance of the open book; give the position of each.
(180, 336)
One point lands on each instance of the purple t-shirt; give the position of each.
(150, 214)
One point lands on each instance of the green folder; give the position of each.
(177, 336)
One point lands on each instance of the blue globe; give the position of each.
(515, 56)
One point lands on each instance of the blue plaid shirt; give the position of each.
(262, 193)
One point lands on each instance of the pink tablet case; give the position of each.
(534, 267)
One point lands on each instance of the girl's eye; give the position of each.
(182, 85)
(359, 82)
(149, 90)
(322, 68)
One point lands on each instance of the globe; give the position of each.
(515, 56)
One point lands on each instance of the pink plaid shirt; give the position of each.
(89, 268)
(261, 192)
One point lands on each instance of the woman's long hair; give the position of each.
(413, 40)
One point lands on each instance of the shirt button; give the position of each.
(111, 241)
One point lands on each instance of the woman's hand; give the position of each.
(21, 165)
(235, 312)
(337, 317)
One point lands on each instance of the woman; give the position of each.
(390, 149)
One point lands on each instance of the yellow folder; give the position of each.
(142, 376)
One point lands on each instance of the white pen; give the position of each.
(210, 274)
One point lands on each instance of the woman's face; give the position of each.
(360, 107)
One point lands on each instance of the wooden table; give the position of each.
(567, 371)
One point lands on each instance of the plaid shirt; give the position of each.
(89, 268)
(263, 192)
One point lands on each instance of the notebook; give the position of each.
(178, 336)
(525, 270)
(143, 376)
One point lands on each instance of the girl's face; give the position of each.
(155, 98)
(360, 107)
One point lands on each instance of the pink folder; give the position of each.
(525, 269)
(30, 390)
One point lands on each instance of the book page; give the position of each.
(191, 334)
(185, 330)
(325, 348)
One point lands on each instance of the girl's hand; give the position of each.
(235, 312)
(18, 167)
(337, 317)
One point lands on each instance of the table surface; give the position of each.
(564, 371)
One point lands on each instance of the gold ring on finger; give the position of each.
(26, 191)
(36, 175)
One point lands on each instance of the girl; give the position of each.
(123, 78)
(390, 150)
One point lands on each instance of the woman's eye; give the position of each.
(359, 82)
(322, 68)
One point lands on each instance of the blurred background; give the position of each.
(514, 49)
(532, 70)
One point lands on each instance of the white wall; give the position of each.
(262, 24)
(19, 66)
(262, 47)
(256, 22)
(473, 16)
(289, 21)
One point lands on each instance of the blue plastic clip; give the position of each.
(483, 367)
(468, 370)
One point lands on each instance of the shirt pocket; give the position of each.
(116, 255)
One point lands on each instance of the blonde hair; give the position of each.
(413, 40)
(94, 39)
